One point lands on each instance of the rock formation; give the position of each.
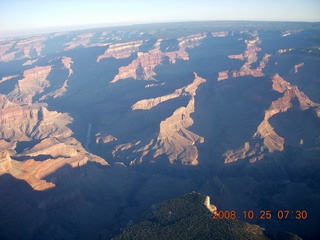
(30, 62)
(23, 123)
(271, 140)
(220, 34)
(80, 40)
(28, 47)
(250, 55)
(147, 104)
(5, 162)
(67, 62)
(6, 78)
(105, 138)
(120, 50)
(174, 139)
(142, 68)
(34, 82)
(297, 66)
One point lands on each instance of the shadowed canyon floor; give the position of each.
(98, 125)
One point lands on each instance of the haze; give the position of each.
(21, 16)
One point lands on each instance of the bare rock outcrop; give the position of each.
(25, 46)
(30, 62)
(174, 139)
(34, 81)
(52, 147)
(67, 62)
(34, 172)
(209, 206)
(120, 50)
(22, 123)
(142, 68)
(6, 78)
(250, 55)
(271, 141)
(297, 66)
(147, 104)
(5, 162)
(80, 40)
(105, 138)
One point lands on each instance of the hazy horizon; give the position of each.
(28, 17)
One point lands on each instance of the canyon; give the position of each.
(99, 125)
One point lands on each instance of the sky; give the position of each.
(24, 15)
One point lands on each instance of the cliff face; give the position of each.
(61, 91)
(79, 40)
(22, 120)
(23, 123)
(271, 141)
(152, 132)
(27, 48)
(147, 104)
(5, 162)
(174, 139)
(120, 50)
(250, 57)
(142, 68)
(34, 82)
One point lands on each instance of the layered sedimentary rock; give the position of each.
(250, 55)
(191, 41)
(125, 146)
(27, 48)
(80, 40)
(23, 123)
(34, 172)
(147, 104)
(67, 62)
(120, 50)
(5, 162)
(142, 68)
(34, 81)
(55, 149)
(271, 141)
(174, 139)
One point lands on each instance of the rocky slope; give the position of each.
(48, 141)
(24, 48)
(34, 81)
(271, 140)
(142, 68)
(250, 55)
(120, 50)
(174, 139)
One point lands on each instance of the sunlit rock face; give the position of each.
(98, 125)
